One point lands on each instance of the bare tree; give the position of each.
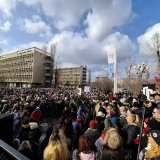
(55, 64)
(135, 77)
(56, 76)
(89, 76)
(57, 73)
(44, 48)
(129, 74)
(106, 85)
(53, 52)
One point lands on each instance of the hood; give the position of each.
(87, 156)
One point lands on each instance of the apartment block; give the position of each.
(26, 68)
(71, 77)
(101, 79)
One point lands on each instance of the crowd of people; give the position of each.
(52, 124)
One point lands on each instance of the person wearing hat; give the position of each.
(152, 151)
(92, 131)
(36, 115)
(100, 121)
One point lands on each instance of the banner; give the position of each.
(86, 89)
(111, 55)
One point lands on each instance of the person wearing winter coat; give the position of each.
(129, 133)
(56, 148)
(113, 146)
(154, 122)
(86, 149)
(92, 131)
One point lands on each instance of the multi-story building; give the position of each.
(71, 77)
(101, 79)
(30, 67)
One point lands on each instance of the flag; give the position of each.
(111, 75)
(111, 55)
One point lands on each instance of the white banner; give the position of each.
(145, 90)
(79, 91)
(86, 89)
(111, 55)
(149, 92)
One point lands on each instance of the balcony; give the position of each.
(47, 68)
(47, 81)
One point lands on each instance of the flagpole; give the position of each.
(115, 72)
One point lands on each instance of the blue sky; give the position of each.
(82, 30)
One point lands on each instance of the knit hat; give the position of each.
(92, 124)
(155, 134)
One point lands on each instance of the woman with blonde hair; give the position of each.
(56, 149)
(123, 116)
(130, 132)
(113, 148)
(26, 149)
(152, 151)
(112, 139)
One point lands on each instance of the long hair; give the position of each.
(85, 144)
(56, 149)
(97, 108)
(154, 152)
(25, 145)
(67, 128)
(108, 132)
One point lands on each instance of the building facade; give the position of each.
(71, 77)
(101, 79)
(26, 68)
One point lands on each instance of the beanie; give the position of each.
(92, 124)
(155, 134)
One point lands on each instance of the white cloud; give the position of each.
(75, 49)
(6, 7)
(145, 41)
(36, 25)
(100, 21)
(5, 26)
(106, 15)
(66, 14)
